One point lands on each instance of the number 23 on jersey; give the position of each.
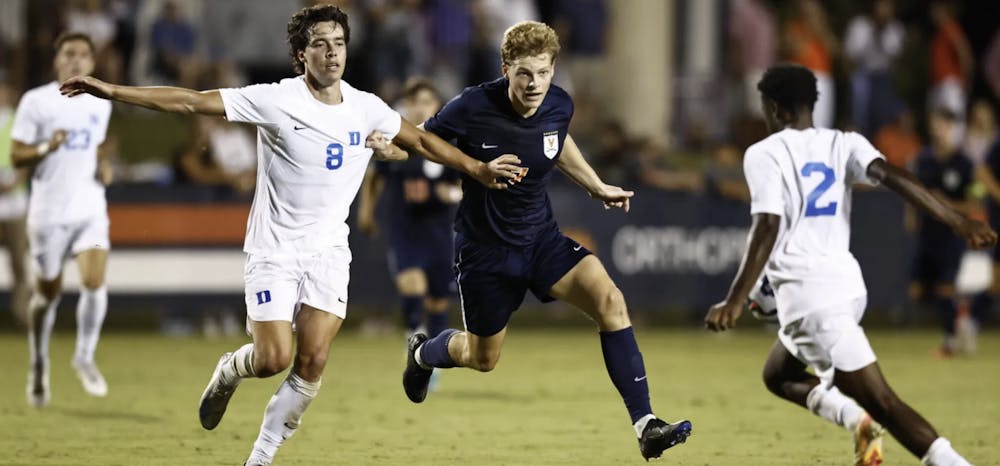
(829, 176)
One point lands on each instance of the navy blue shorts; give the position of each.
(493, 278)
(938, 263)
(430, 254)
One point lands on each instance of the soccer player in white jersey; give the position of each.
(800, 181)
(59, 139)
(312, 157)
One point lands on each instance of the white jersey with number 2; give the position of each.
(805, 177)
(311, 159)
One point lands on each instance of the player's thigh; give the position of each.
(316, 329)
(487, 300)
(92, 264)
(48, 246)
(271, 294)
(782, 364)
(588, 287)
(325, 279)
(272, 345)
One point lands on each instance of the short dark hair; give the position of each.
(71, 37)
(415, 85)
(791, 86)
(303, 21)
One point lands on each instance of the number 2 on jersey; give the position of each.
(334, 156)
(812, 210)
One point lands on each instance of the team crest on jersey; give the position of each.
(550, 143)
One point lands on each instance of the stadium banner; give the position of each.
(672, 251)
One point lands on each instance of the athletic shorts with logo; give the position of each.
(277, 285)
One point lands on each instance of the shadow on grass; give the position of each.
(484, 394)
(108, 415)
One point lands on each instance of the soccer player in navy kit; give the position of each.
(945, 170)
(420, 195)
(508, 244)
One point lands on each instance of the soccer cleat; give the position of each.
(658, 436)
(38, 391)
(868, 443)
(216, 396)
(91, 378)
(415, 378)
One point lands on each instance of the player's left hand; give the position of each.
(613, 196)
(722, 316)
(383, 149)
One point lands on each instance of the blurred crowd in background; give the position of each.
(885, 69)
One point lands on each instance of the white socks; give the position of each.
(640, 425)
(242, 366)
(90, 312)
(282, 416)
(832, 405)
(41, 318)
(942, 454)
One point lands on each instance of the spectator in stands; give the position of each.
(951, 60)
(873, 43)
(981, 134)
(898, 140)
(724, 178)
(656, 170)
(89, 17)
(221, 154)
(809, 41)
(13, 209)
(451, 28)
(399, 45)
(492, 18)
(583, 27)
(615, 158)
(753, 45)
(174, 41)
(947, 172)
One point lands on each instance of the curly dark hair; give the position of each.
(791, 86)
(303, 21)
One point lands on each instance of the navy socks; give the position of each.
(413, 311)
(627, 371)
(434, 352)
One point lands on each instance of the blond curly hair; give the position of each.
(528, 39)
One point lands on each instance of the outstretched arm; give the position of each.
(760, 242)
(976, 233)
(572, 163)
(435, 149)
(161, 98)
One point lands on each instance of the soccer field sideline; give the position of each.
(548, 402)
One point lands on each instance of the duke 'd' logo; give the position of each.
(550, 143)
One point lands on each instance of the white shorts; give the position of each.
(51, 245)
(276, 286)
(830, 339)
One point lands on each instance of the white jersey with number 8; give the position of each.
(805, 177)
(311, 159)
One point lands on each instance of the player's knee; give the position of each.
(310, 362)
(92, 282)
(411, 282)
(271, 361)
(484, 362)
(612, 310)
(772, 380)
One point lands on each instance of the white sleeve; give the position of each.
(382, 117)
(27, 128)
(764, 179)
(251, 104)
(861, 154)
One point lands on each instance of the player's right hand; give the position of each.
(85, 85)
(506, 168)
(722, 316)
(57, 139)
(976, 233)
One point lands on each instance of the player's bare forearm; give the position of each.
(915, 193)
(161, 98)
(435, 149)
(23, 155)
(976, 233)
(760, 241)
(575, 166)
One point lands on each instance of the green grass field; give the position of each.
(548, 402)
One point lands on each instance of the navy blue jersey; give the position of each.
(481, 121)
(951, 177)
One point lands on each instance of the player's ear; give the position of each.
(503, 68)
(301, 56)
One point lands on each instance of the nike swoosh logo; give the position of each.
(577, 248)
(487, 146)
(298, 128)
(639, 379)
(342, 300)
